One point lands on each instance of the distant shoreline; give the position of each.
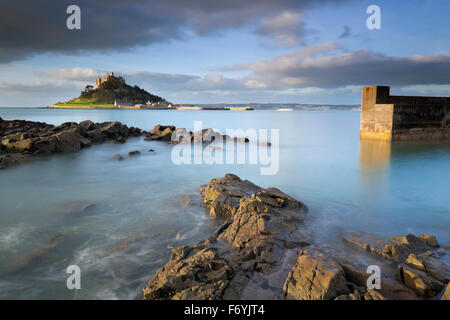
(54, 106)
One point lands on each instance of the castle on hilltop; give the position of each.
(110, 77)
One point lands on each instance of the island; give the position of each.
(112, 92)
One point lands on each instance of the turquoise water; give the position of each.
(143, 205)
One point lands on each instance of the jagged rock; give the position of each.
(222, 195)
(161, 133)
(419, 281)
(181, 135)
(429, 264)
(134, 153)
(315, 277)
(119, 139)
(87, 125)
(263, 224)
(430, 240)
(446, 295)
(37, 138)
(373, 295)
(113, 129)
(96, 135)
(65, 141)
(397, 248)
(191, 274)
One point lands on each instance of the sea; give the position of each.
(118, 220)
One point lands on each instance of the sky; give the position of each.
(229, 51)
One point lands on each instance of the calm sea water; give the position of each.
(143, 205)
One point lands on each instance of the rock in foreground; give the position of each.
(262, 225)
(248, 256)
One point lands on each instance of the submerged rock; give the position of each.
(41, 253)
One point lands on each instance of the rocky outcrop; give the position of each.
(192, 273)
(263, 224)
(397, 248)
(425, 274)
(173, 135)
(22, 139)
(446, 294)
(315, 277)
(419, 272)
(248, 255)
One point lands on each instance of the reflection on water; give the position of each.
(374, 154)
(374, 161)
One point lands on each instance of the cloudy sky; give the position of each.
(229, 51)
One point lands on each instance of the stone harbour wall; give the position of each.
(403, 118)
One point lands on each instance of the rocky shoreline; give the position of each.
(22, 140)
(251, 256)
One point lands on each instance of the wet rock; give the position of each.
(96, 136)
(430, 240)
(315, 277)
(161, 133)
(134, 153)
(222, 195)
(114, 129)
(191, 274)
(181, 135)
(391, 288)
(431, 265)
(119, 139)
(78, 207)
(37, 138)
(263, 225)
(65, 141)
(87, 125)
(151, 150)
(418, 281)
(40, 253)
(446, 294)
(397, 248)
(185, 201)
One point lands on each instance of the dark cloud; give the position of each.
(34, 27)
(346, 33)
(347, 69)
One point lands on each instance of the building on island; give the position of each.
(122, 103)
(403, 118)
(110, 77)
